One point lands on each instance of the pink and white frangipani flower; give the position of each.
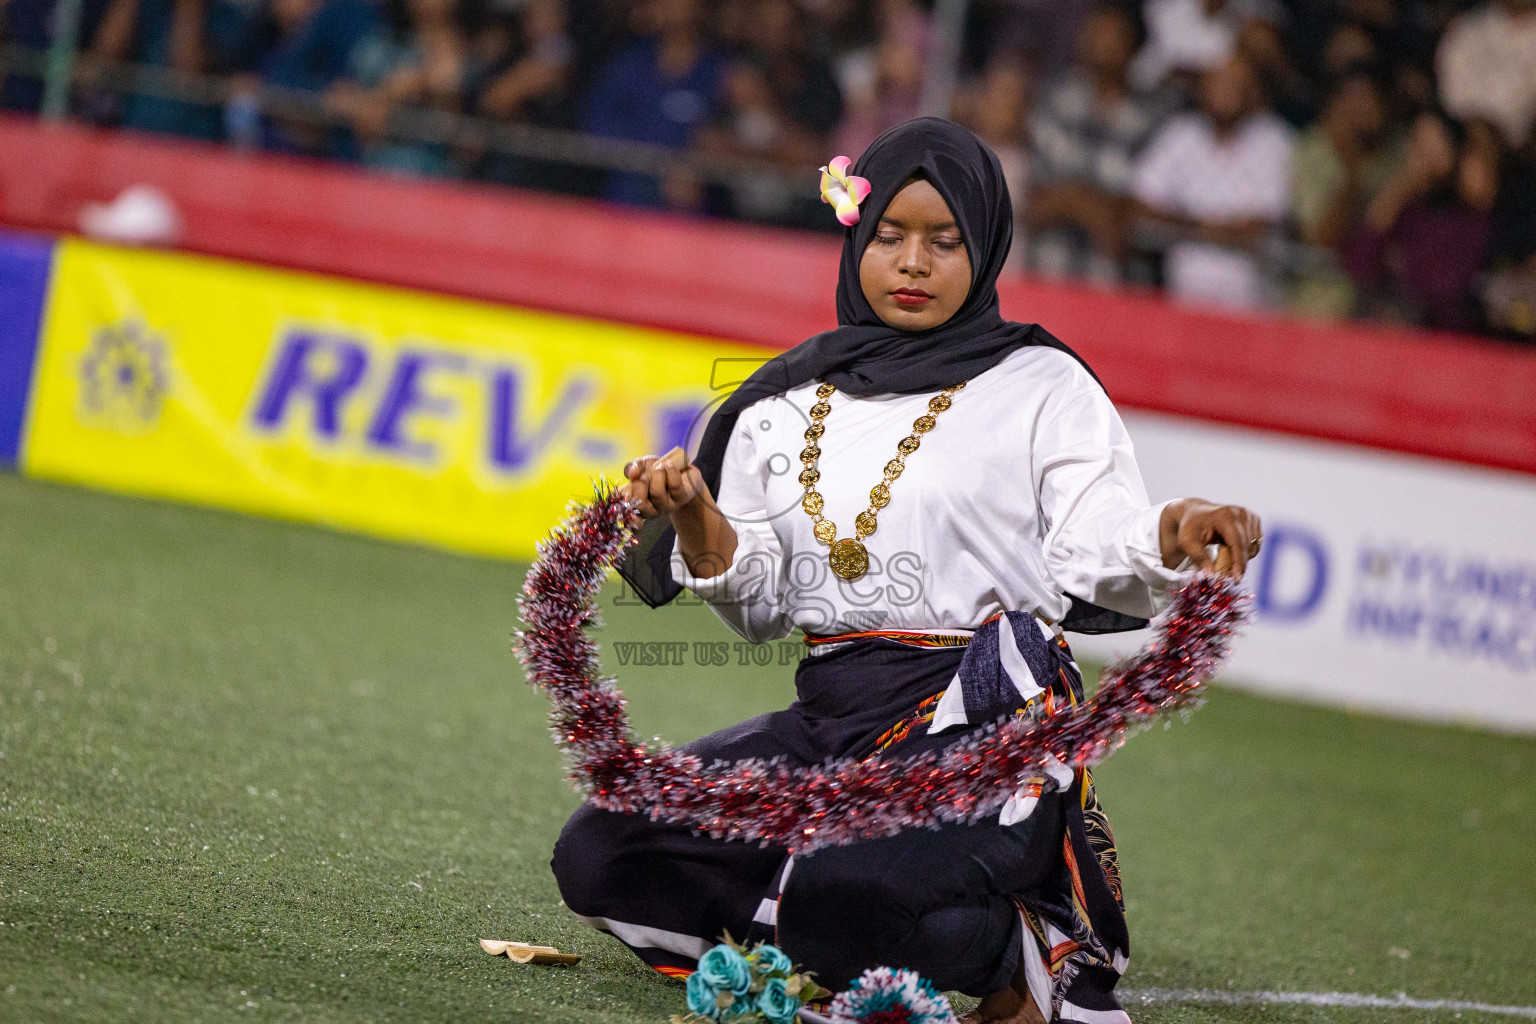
(843, 190)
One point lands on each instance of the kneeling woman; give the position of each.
(1006, 506)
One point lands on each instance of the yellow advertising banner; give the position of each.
(378, 410)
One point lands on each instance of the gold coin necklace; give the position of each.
(848, 556)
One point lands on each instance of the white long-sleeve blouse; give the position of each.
(1027, 490)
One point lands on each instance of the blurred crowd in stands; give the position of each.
(1371, 158)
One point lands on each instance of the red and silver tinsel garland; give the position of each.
(838, 802)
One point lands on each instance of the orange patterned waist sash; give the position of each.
(909, 637)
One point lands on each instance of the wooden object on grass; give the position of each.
(523, 953)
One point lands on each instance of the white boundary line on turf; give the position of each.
(1229, 997)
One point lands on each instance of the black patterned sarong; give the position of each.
(964, 905)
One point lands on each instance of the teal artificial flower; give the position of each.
(772, 959)
(725, 970)
(702, 996)
(775, 1003)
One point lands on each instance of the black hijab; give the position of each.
(864, 356)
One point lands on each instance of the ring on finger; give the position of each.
(1254, 545)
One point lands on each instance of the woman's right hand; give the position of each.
(669, 485)
(663, 484)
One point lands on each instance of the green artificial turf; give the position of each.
(250, 770)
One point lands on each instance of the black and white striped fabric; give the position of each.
(1011, 661)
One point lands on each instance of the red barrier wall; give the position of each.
(1441, 395)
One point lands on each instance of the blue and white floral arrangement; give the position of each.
(740, 986)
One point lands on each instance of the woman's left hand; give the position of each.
(1190, 525)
